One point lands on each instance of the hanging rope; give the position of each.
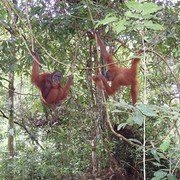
(145, 102)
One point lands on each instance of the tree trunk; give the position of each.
(11, 106)
(11, 125)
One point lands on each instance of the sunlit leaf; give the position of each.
(134, 6)
(149, 8)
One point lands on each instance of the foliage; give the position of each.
(51, 145)
(157, 118)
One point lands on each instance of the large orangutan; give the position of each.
(49, 84)
(118, 76)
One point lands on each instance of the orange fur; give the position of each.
(52, 95)
(118, 76)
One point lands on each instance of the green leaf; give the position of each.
(138, 118)
(160, 174)
(122, 104)
(138, 26)
(161, 155)
(147, 110)
(148, 16)
(154, 153)
(149, 8)
(151, 25)
(120, 26)
(134, 6)
(108, 19)
(130, 120)
(165, 145)
(154, 178)
(171, 177)
(132, 15)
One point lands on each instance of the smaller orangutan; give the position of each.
(117, 76)
(49, 84)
